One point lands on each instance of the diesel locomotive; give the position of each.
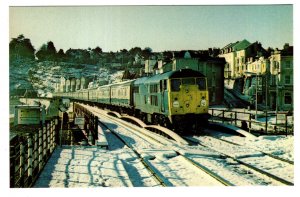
(175, 99)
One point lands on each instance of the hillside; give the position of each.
(42, 76)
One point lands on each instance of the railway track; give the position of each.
(159, 171)
(161, 178)
(263, 170)
(150, 170)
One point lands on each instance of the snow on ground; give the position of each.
(232, 171)
(85, 167)
(279, 145)
(182, 173)
(120, 167)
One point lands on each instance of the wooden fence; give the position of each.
(30, 153)
(245, 118)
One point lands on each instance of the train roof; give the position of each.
(182, 73)
(122, 82)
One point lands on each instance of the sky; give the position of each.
(159, 27)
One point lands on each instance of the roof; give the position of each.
(183, 73)
(122, 83)
(239, 45)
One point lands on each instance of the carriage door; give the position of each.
(164, 95)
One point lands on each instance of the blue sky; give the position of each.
(159, 27)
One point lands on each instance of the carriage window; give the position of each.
(201, 83)
(188, 81)
(175, 84)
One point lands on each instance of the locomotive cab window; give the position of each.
(201, 83)
(175, 85)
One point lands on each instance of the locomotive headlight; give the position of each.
(176, 103)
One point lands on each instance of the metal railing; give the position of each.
(240, 118)
(30, 153)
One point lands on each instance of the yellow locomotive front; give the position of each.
(188, 102)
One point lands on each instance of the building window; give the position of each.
(273, 80)
(287, 79)
(287, 98)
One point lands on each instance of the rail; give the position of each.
(30, 153)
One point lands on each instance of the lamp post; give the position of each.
(266, 100)
(256, 97)
(277, 92)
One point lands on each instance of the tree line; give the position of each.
(21, 48)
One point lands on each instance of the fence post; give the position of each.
(96, 128)
(249, 122)
(48, 139)
(44, 143)
(71, 136)
(40, 149)
(286, 125)
(235, 118)
(51, 136)
(29, 161)
(22, 164)
(266, 126)
(223, 113)
(54, 132)
(36, 151)
(12, 166)
(88, 133)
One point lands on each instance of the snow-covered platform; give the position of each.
(84, 167)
